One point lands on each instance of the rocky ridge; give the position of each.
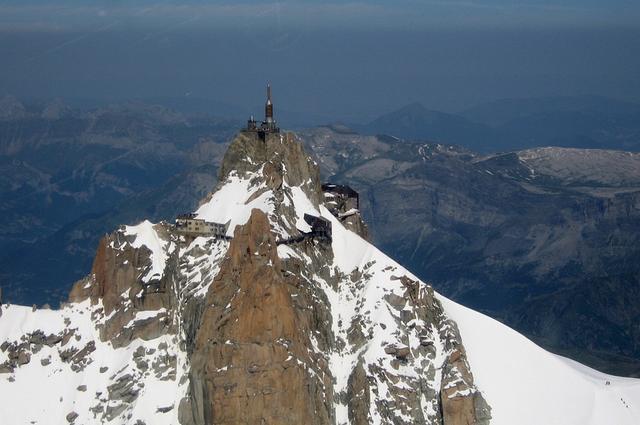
(491, 232)
(268, 324)
(253, 322)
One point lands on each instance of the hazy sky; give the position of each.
(327, 60)
(398, 14)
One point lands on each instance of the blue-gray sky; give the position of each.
(389, 14)
(328, 60)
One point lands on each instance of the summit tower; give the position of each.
(268, 107)
(269, 124)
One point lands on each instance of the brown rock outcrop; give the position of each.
(358, 396)
(461, 402)
(113, 272)
(115, 281)
(283, 158)
(251, 363)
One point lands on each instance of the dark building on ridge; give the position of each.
(341, 197)
(320, 226)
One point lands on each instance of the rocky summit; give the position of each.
(267, 305)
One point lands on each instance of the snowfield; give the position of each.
(525, 384)
(47, 389)
(233, 202)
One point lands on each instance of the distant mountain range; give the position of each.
(67, 178)
(510, 124)
(415, 122)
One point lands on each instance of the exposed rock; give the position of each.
(123, 389)
(67, 355)
(67, 335)
(71, 417)
(358, 396)
(81, 358)
(403, 352)
(6, 367)
(390, 349)
(238, 359)
(38, 337)
(53, 339)
(462, 403)
(283, 157)
(113, 411)
(399, 352)
(24, 357)
(165, 369)
(117, 269)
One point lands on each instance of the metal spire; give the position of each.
(268, 108)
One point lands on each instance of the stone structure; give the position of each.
(188, 224)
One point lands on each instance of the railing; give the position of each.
(310, 235)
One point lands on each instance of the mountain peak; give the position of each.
(268, 296)
(413, 106)
(279, 156)
(11, 108)
(416, 122)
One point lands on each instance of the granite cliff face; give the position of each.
(273, 323)
(252, 362)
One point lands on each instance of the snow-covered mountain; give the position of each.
(280, 319)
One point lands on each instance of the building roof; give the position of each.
(339, 188)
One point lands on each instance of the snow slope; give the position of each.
(45, 393)
(523, 383)
(526, 384)
(234, 201)
(145, 235)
